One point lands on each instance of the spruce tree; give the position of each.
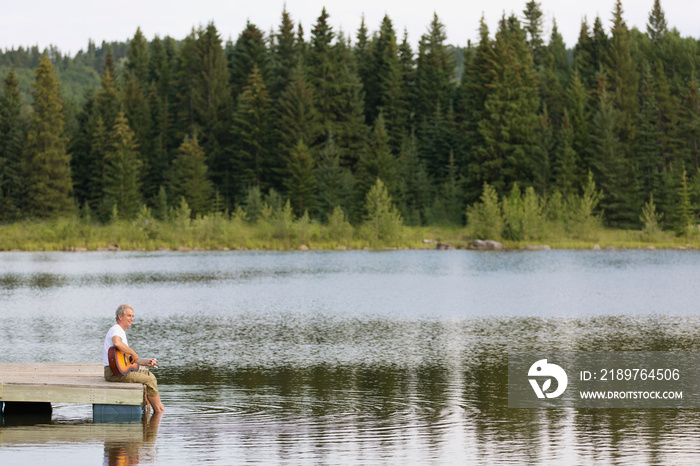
(362, 53)
(297, 116)
(557, 47)
(377, 162)
(533, 27)
(162, 98)
(388, 96)
(13, 128)
(650, 162)
(434, 71)
(107, 97)
(416, 189)
(382, 220)
(470, 109)
(689, 124)
(338, 91)
(285, 55)
(408, 82)
(186, 78)
(301, 182)
(623, 78)
(566, 163)
(437, 141)
(188, 178)
(667, 104)
(212, 106)
(612, 169)
(335, 183)
(657, 27)
(685, 214)
(255, 164)
(122, 169)
(249, 51)
(579, 114)
(137, 59)
(48, 163)
(510, 125)
(87, 152)
(136, 108)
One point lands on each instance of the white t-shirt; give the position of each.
(117, 331)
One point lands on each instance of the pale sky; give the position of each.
(69, 24)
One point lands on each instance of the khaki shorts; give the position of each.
(143, 376)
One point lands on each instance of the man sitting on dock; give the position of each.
(116, 336)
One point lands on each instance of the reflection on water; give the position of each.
(359, 358)
(121, 443)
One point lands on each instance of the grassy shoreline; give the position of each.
(224, 234)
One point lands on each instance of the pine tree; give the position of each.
(13, 128)
(48, 163)
(188, 178)
(301, 182)
(122, 169)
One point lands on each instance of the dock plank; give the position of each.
(65, 383)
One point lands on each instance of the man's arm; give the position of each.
(124, 348)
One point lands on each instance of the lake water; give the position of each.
(350, 357)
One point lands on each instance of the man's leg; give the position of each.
(145, 377)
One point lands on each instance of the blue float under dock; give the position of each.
(70, 383)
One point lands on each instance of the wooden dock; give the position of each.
(65, 383)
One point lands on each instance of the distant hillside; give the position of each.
(76, 74)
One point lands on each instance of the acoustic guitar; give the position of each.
(121, 363)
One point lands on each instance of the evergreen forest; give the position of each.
(362, 130)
